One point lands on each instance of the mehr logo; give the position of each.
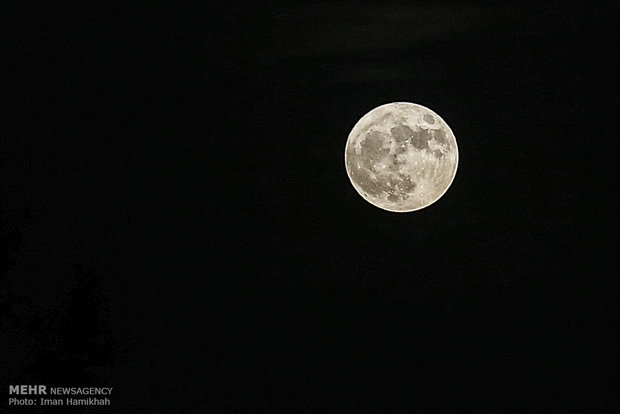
(28, 389)
(96, 396)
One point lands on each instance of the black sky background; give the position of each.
(178, 224)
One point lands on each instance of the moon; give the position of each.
(401, 157)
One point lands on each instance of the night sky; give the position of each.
(177, 222)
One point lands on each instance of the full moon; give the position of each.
(401, 157)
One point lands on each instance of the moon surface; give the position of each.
(401, 157)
